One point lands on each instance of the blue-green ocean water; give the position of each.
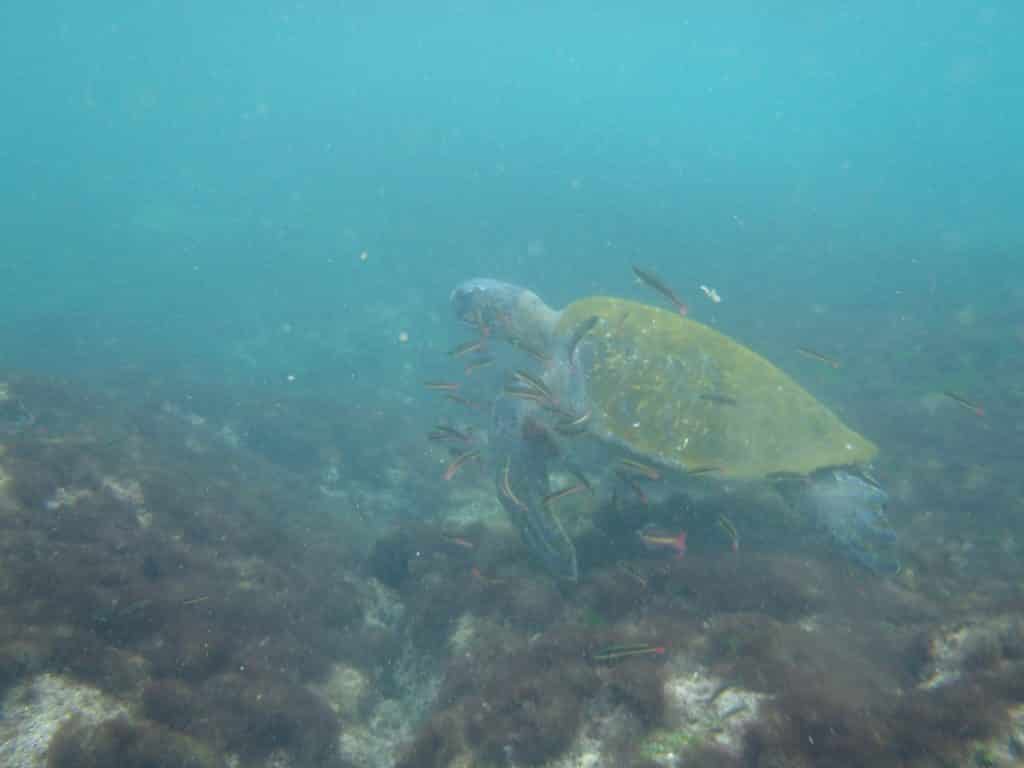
(181, 177)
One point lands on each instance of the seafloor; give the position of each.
(194, 576)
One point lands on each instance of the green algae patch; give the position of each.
(128, 744)
(668, 743)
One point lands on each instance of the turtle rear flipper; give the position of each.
(852, 510)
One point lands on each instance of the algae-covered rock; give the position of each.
(125, 743)
(345, 690)
(703, 711)
(34, 711)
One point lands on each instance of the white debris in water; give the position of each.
(712, 294)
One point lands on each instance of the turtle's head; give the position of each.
(482, 296)
(505, 311)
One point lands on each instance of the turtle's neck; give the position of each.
(533, 321)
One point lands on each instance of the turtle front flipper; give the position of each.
(523, 452)
(852, 510)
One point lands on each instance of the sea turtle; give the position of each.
(653, 391)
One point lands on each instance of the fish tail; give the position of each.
(679, 544)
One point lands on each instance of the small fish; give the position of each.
(655, 282)
(530, 381)
(634, 486)
(473, 345)
(612, 653)
(506, 485)
(703, 470)
(524, 393)
(133, 608)
(478, 575)
(730, 530)
(455, 398)
(653, 539)
(457, 463)
(714, 397)
(444, 432)
(478, 363)
(196, 600)
(864, 474)
(458, 540)
(581, 330)
(808, 352)
(639, 468)
(441, 386)
(976, 409)
(577, 425)
(563, 492)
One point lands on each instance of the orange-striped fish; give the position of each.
(703, 470)
(529, 381)
(963, 402)
(458, 461)
(506, 485)
(573, 425)
(730, 530)
(613, 653)
(473, 345)
(639, 468)
(524, 393)
(653, 281)
(478, 363)
(456, 398)
(808, 352)
(655, 539)
(633, 485)
(458, 540)
(563, 492)
(444, 432)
